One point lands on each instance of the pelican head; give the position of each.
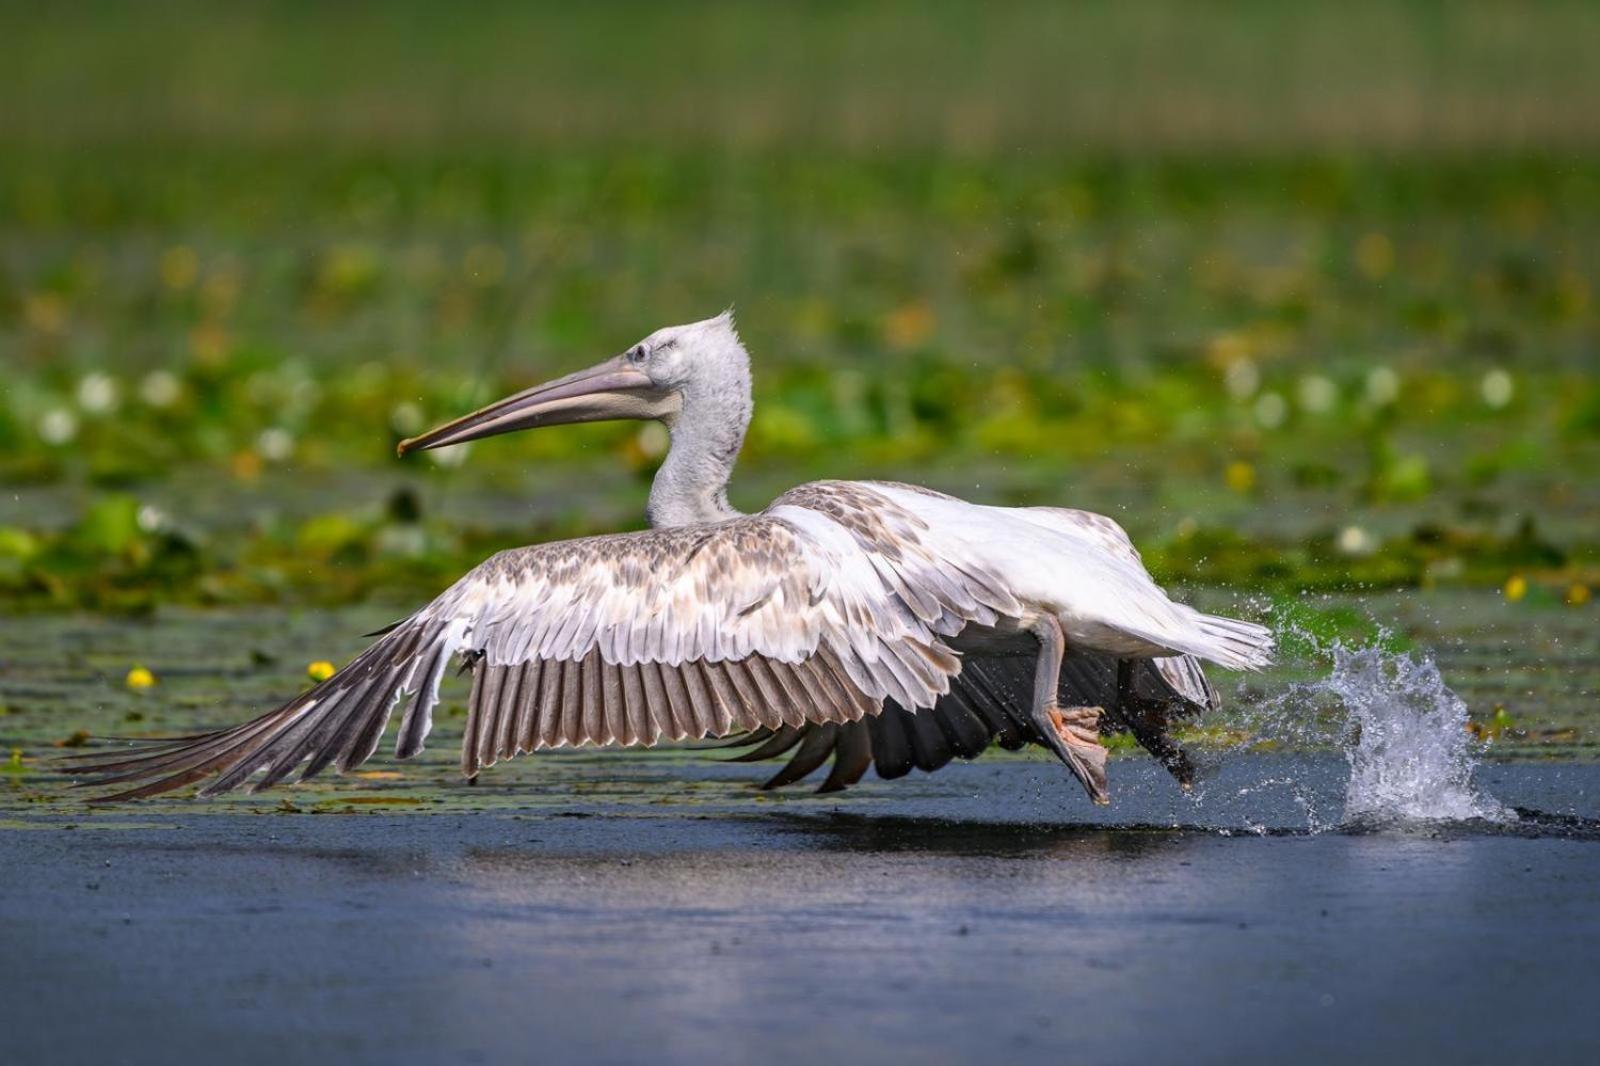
(698, 365)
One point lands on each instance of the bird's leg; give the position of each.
(1147, 720)
(1073, 733)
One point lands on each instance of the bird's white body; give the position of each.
(1077, 566)
(842, 609)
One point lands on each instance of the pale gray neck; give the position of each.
(691, 487)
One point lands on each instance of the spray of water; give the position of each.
(1411, 757)
(1402, 730)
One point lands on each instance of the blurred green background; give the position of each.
(1304, 295)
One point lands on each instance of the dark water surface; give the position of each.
(985, 914)
(653, 907)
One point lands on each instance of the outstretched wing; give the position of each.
(817, 610)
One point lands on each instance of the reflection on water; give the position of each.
(890, 834)
(930, 837)
(948, 931)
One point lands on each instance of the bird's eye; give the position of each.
(637, 354)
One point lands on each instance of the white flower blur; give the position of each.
(1383, 386)
(1317, 394)
(406, 418)
(1271, 410)
(152, 519)
(654, 439)
(451, 456)
(58, 426)
(1353, 540)
(1497, 388)
(1242, 379)
(97, 393)
(160, 388)
(275, 444)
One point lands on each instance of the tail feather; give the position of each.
(1235, 644)
(1228, 642)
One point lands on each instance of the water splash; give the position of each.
(1411, 757)
(1402, 731)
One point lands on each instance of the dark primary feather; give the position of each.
(987, 703)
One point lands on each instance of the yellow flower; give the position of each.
(1577, 594)
(1516, 587)
(1240, 476)
(320, 670)
(140, 678)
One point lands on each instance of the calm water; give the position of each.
(983, 915)
(1368, 889)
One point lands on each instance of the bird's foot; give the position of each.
(1078, 729)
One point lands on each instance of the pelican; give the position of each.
(876, 623)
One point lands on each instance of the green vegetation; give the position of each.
(1300, 310)
(1291, 374)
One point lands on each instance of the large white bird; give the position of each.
(875, 622)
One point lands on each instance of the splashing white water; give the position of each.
(1402, 730)
(1411, 757)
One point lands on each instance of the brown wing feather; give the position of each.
(636, 713)
(528, 705)
(642, 705)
